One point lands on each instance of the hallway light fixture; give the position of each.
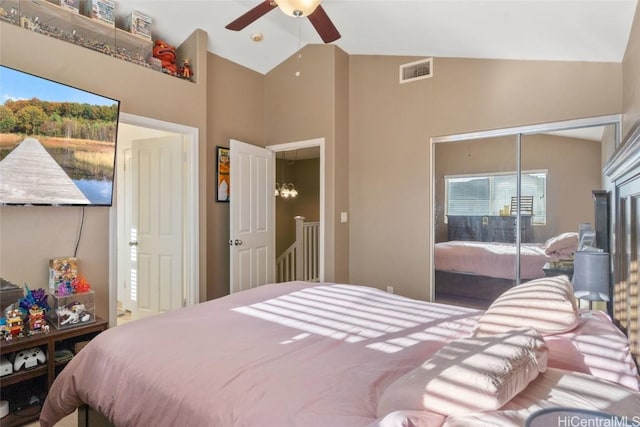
(285, 190)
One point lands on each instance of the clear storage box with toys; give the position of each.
(139, 24)
(102, 11)
(71, 310)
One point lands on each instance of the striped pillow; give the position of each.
(546, 304)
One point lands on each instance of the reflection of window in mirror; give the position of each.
(492, 194)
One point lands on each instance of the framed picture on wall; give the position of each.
(223, 187)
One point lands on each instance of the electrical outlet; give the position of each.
(390, 289)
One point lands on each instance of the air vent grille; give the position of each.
(418, 70)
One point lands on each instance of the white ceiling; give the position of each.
(564, 30)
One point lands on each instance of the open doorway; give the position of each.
(299, 165)
(154, 238)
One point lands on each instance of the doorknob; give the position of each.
(237, 242)
(133, 243)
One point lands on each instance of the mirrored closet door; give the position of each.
(507, 204)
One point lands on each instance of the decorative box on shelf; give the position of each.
(72, 310)
(62, 270)
(102, 11)
(139, 24)
(10, 294)
(73, 5)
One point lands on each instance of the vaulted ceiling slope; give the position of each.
(558, 30)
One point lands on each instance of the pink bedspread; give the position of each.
(278, 355)
(493, 259)
(292, 354)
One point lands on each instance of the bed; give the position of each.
(327, 354)
(476, 273)
(317, 354)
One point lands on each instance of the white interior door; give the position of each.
(252, 237)
(156, 236)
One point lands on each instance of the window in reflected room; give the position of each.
(491, 194)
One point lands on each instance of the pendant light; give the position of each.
(285, 190)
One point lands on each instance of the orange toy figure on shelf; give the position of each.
(185, 70)
(167, 55)
(80, 284)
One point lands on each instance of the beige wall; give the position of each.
(390, 127)
(305, 107)
(235, 110)
(377, 143)
(341, 157)
(569, 183)
(30, 236)
(631, 78)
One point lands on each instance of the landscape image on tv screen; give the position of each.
(57, 142)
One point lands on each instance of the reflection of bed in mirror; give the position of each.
(475, 273)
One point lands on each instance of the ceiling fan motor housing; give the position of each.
(298, 8)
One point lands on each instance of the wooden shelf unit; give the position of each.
(48, 342)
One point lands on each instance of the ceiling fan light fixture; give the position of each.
(298, 8)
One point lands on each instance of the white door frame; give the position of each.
(317, 142)
(191, 218)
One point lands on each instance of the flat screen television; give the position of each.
(57, 142)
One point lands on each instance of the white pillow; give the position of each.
(546, 304)
(469, 375)
(562, 243)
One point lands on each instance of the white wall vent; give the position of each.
(418, 70)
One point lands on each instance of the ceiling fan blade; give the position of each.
(323, 25)
(252, 15)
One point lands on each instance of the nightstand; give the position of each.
(558, 268)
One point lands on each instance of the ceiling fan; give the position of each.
(297, 8)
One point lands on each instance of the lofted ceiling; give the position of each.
(562, 30)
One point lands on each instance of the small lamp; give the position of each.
(591, 276)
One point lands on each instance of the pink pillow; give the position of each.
(469, 375)
(565, 242)
(545, 304)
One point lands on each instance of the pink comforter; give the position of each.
(291, 354)
(279, 355)
(493, 259)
